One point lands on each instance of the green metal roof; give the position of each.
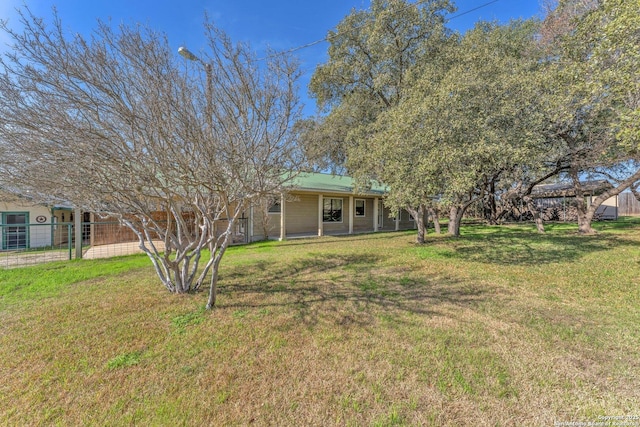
(323, 182)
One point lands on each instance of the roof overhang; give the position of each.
(589, 188)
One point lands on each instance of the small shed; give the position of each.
(558, 200)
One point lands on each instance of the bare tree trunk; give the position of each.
(537, 218)
(492, 209)
(420, 223)
(418, 216)
(584, 221)
(585, 215)
(634, 190)
(154, 140)
(266, 227)
(436, 220)
(455, 217)
(213, 285)
(213, 290)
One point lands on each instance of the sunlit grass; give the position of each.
(48, 280)
(499, 327)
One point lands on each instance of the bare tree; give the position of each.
(561, 18)
(120, 125)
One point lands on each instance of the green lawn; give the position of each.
(499, 327)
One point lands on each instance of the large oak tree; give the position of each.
(467, 120)
(370, 54)
(592, 89)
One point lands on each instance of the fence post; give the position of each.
(70, 239)
(92, 229)
(77, 217)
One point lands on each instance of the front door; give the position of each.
(15, 234)
(380, 215)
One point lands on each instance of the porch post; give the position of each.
(398, 219)
(375, 214)
(350, 214)
(77, 223)
(283, 221)
(320, 216)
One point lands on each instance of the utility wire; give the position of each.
(327, 38)
(472, 10)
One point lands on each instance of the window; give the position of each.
(15, 231)
(359, 207)
(275, 208)
(332, 211)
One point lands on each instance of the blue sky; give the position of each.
(280, 24)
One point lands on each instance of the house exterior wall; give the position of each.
(389, 220)
(341, 227)
(608, 209)
(406, 222)
(38, 234)
(364, 223)
(272, 224)
(61, 232)
(302, 210)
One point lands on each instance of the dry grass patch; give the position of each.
(362, 330)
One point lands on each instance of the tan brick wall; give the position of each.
(301, 210)
(302, 214)
(364, 223)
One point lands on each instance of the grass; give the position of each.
(499, 327)
(124, 360)
(28, 285)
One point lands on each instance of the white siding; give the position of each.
(39, 233)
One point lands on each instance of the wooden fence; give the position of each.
(628, 204)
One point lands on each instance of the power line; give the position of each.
(327, 38)
(472, 10)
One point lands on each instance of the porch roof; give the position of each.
(328, 183)
(566, 189)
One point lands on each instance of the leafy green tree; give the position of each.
(613, 32)
(492, 112)
(370, 53)
(591, 88)
(467, 121)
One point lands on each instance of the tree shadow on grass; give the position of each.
(523, 248)
(342, 287)
(304, 240)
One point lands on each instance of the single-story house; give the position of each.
(313, 204)
(317, 204)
